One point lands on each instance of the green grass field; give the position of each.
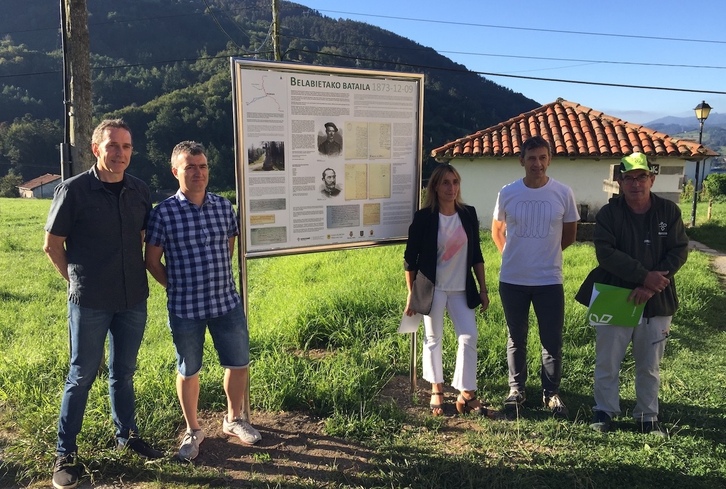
(348, 303)
(710, 231)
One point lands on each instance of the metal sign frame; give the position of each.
(283, 115)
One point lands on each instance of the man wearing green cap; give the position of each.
(640, 243)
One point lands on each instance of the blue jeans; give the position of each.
(88, 329)
(229, 334)
(549, 307)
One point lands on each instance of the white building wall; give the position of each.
(44, 191)
(481, 180)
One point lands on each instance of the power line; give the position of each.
(418, 66)
(466, 53)
(136, 65)
(107, 22)
(532, 29)
(592, 61)
(219, 26)
(521, 77)
(536, 58)
(411, 65)
(128, 20)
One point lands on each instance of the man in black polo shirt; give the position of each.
(94, 237)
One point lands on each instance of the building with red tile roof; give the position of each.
(585, 143)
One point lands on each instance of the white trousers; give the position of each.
(467, 334)
(649, 339)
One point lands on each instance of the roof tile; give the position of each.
(38, 181)
(573, 131)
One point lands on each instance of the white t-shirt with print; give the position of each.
(532, 252)
(451, 245)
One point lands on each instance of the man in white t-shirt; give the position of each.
(535, 218)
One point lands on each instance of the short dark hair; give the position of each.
(326, 170)
(536, 142)
(187, 147)
(97, 136)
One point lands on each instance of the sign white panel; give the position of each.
(327, 158)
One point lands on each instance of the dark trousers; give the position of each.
(549, 307)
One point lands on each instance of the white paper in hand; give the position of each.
(409, 324)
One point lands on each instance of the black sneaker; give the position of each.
(133, 442)
(515, 399)
(653, 428)
(66, 471)
(601, 421)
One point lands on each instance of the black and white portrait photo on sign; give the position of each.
(332, 141)
(330, 187)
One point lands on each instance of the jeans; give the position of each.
(229, 334)
(88, 329)
(549, 307)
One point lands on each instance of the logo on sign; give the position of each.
(604, 319)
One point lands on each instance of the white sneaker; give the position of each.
(189, 448)
(242, 430)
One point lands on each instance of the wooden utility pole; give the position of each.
(276, 29)
(76, 155)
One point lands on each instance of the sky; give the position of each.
(526, 45)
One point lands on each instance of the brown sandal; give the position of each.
(437, 409)
(462, 406)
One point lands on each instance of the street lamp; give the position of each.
(702, 110)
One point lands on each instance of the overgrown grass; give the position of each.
(324, 342)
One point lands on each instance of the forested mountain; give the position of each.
(163, 65)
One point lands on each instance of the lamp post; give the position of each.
(702, 110)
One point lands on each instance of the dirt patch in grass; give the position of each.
(295, 449)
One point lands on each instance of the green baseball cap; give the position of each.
(635, 161)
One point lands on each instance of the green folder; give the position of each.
(609, 305)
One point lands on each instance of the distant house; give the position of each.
(586, 144)
(39, 188)
(711, 165)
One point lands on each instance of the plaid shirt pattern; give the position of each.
(195, 240)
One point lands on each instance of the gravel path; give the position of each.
(718, 259)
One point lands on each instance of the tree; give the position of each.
(30, 146)
(9, 185)
(714, 186)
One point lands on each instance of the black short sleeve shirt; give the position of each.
(103, 240)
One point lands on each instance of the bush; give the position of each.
(230, 195)
(9, 185)
(687, 192)
(714, 186)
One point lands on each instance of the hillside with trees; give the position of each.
(163, 65)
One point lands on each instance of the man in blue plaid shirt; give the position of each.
(194, 231)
